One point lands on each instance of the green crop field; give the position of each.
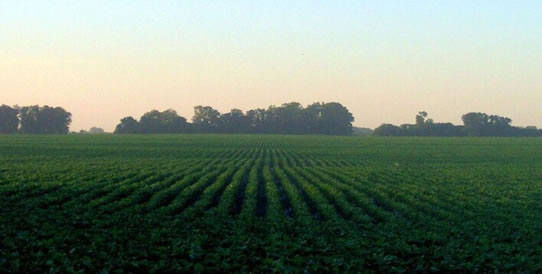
(269, 203)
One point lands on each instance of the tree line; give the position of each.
(289, 118)
(34, 120)
(474, 124)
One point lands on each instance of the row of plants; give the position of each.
(268, 203)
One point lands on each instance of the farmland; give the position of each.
(174, 203)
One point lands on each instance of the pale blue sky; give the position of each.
(385, 60)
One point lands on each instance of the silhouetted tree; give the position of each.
(9, 121)
(360, 131)
(289, 118)
(311, 119)
(256, 120)
(527, 132)
(206, 119)
(128, 125)
(162, 122)
(335, 119)
(422, 127)
(481, 124)
(420, 118)
(234, 122)
(272, 120)
(388, 130)
(475, 124)
(44, 120)
(96, 130)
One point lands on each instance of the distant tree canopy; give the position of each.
(481, 124)
(167, 121)
(93, 130)
(9, 120)
(34, 120)
(96, 130)
(154, 121)
(128, 125)
(206, 119)
(289, 118)
(474, 124)
(361, 131)
(44, 120)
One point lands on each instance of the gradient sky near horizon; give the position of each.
(385, 60)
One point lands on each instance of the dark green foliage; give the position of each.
(163, 122)
(289, 118)
(475, 124)
(206, 119)
(235, 121)
(44, 120)
(359, 131)
(9, 122)
(481, 124)
(128, 125)
(167, 121)
(330, 119)
(96, 130)
(388, 130)
(269, 203)
(93, 130)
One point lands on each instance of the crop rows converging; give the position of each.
(427, 195)
(266, 178)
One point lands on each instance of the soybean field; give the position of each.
(263, 203)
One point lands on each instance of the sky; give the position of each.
(384, 60)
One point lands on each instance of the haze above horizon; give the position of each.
(384, 60)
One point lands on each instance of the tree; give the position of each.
(234, 122)
(422, 127)
(9, 122)
(475, 123)
(44, 120)
(96, 130)
(289, 118)
(420, 118)
(128, 125)
(256, 120)
(360, 131)
(388, 130)
(481, 124)
(167, 121)
(272, 121)
(206, 119)
(312, 116)
(335, 119)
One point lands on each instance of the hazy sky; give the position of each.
(384, 60)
